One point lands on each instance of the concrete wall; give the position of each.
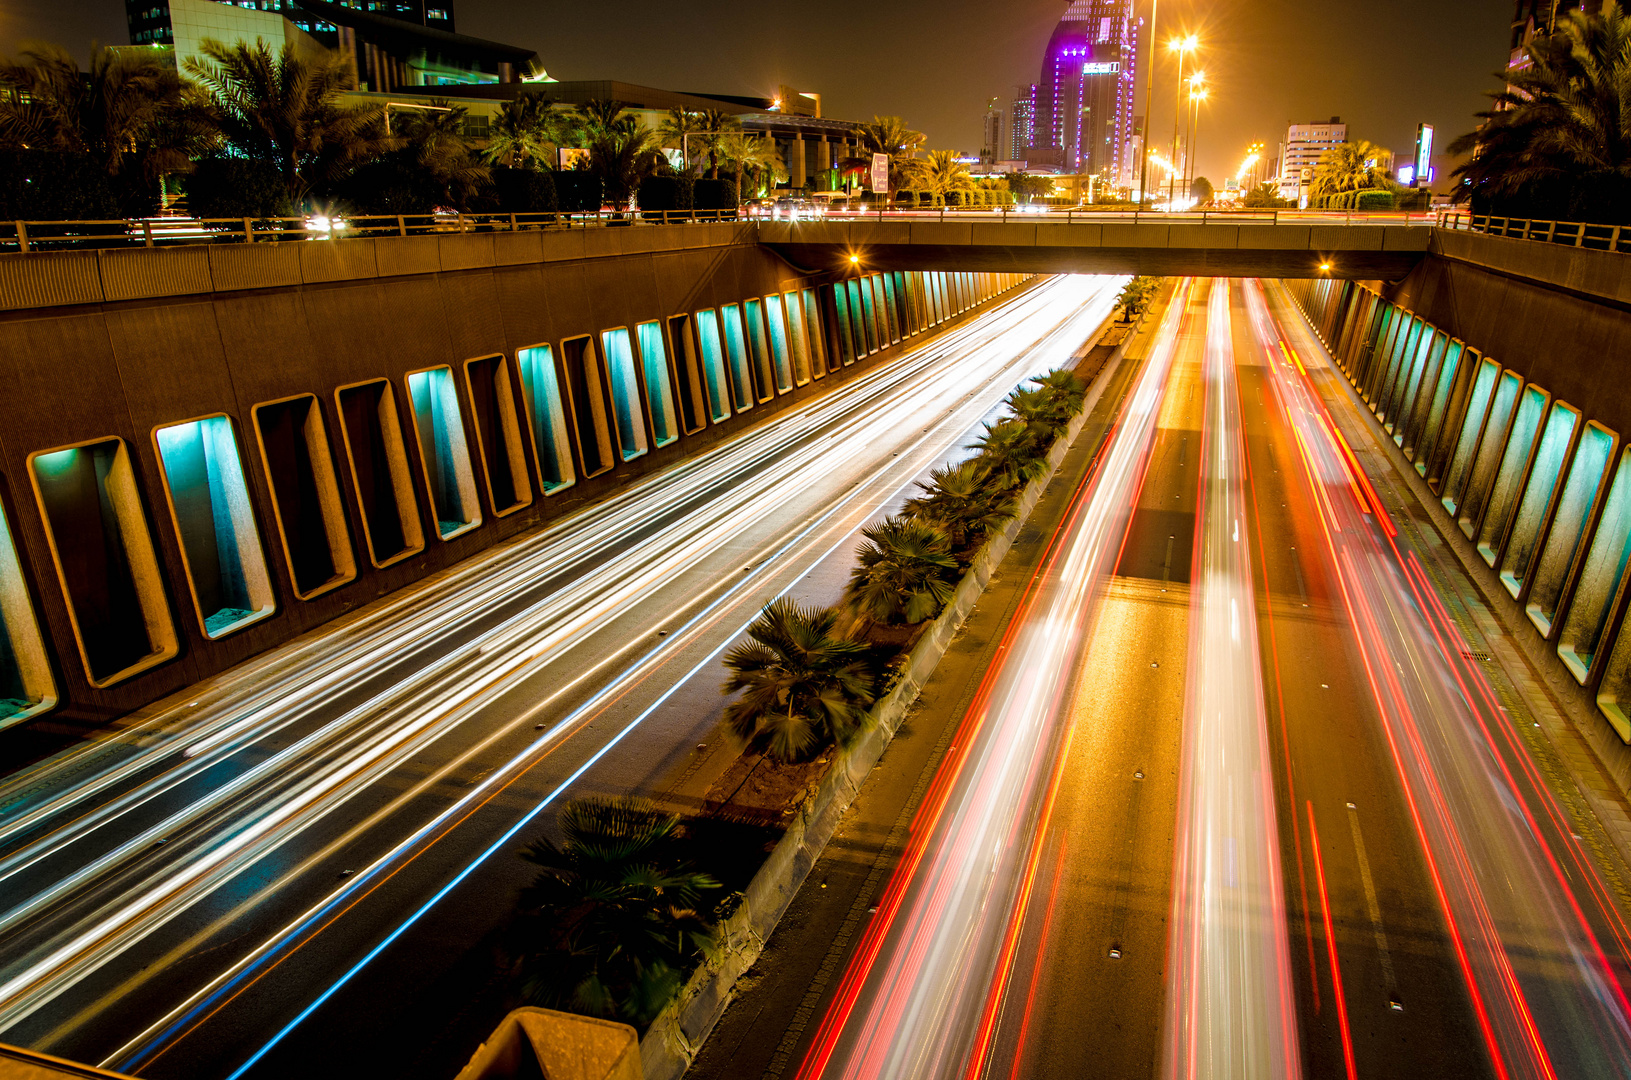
(95, 345)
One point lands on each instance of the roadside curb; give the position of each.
(675, 1037)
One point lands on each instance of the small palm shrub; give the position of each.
(609, 926)
(960, 500)
(804, 684)
(905, 572)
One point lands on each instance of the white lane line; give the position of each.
(1374, 908)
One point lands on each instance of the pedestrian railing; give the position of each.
(1578, 234)
(34, 236)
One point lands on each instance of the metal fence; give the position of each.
(33, 236)
(1578, 234)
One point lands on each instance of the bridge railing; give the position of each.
(28, 236)
(1578, 234)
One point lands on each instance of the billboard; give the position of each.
(1424, 153)
(573, 158)
(880, 174)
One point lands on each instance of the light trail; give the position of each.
(921, 992)
(1540, 943)
(1229, 1008)
(227, 827)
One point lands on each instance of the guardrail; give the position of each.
(1578, 234)
(31, 236)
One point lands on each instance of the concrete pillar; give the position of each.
(823, 154)
(796, 171)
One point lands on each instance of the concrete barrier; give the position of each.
(673, 1040)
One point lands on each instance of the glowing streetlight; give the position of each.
(1197, 93)
(1183, 46)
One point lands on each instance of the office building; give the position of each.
(994, 141)
(1021, 122)
(389, 44)
(1302, 149)
(1084, 99)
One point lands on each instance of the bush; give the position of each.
(665, 194)
(955, 198)
(227, 187)
(523, 191)
(42, 185)
(577, 192)
(393, 183)
(714, 195)
(1373, 200)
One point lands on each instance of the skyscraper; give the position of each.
(1021, 123)
(1084, 99)
(151, 22)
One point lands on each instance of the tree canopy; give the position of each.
(1556, 144)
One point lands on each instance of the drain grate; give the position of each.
(1481, 657)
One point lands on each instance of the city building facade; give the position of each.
(1302, 149)
(1083, 103)
(1021, 122)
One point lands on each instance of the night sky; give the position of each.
(1382, 65)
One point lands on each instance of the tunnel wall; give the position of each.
(1512, 411)
(355, 380)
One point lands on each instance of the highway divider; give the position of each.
(675, 1037)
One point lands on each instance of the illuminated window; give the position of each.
(546, 418)
(209, 505)
(687, 373)
(764, 379)
(713, 365)
(104, 558)
(311, 524)
(625, 392)
(736, 353)
(499, 442)
(659, 394)
(590, 405)
(443, 453)
(1601, 581)
(796, 337)
(27, 687)
(1569, 523)
(372, 431)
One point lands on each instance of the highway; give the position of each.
(282, 866)
(1273, 819)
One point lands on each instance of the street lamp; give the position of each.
(1197, 94)
(1183, 46)
(1149, 111)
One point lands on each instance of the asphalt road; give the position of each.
(285, 871)
(1288, 822)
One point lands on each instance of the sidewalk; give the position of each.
(780, 1001)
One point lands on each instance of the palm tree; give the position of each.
(942, 173)
(1557, 142)
(904, 572)
(1065, 392)
(601, 116)
(436, 144)
(959, 500)
(890, 135)
(1355, 166)
(755, 155)
(133, 117)
(1009, 453)
(521, 135)
(622, 155)
(610, 923)
(676, 125)
(805, 684)
(284, 111)
(716, 123)
(1035, 409)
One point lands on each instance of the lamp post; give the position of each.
(1197, 94)
(1183, 46)
(1149, 109)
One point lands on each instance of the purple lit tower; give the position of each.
(1084, 99)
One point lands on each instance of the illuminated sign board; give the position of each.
(1101, 69)
(1424, 152)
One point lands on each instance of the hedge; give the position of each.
(709, 194)
(664, 194)
(577, 192)
(229, 187)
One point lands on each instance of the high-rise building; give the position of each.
(1084, 100)
(152, 21)
(994, 144)
(1021, 123)
(1302, 149)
